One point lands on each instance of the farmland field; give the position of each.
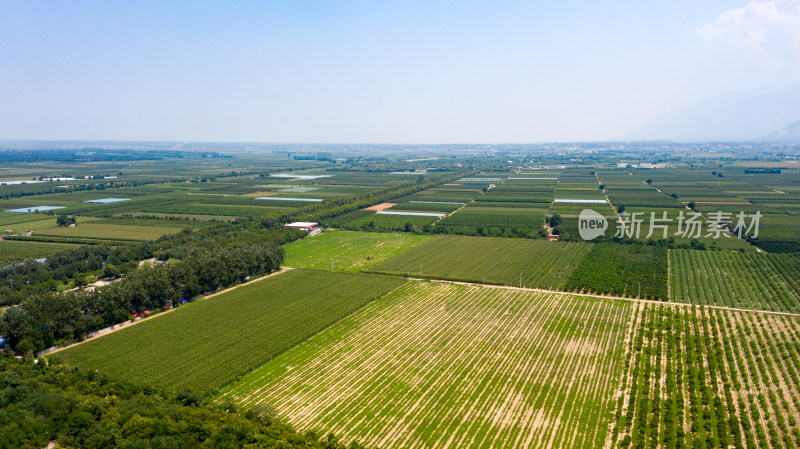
(534, 263)
(709, 378)
(13, 250)
(350, 251)
(622, 270)
(110, 231)
(443, 365)
(740, 280)
(388, 222)
(206, 344)
(488, 215)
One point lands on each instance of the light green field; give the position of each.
(349, 251)
(206, 344)
(437, 365)
(40, 223)
(680, 356)
(109, 231)
(493, 260)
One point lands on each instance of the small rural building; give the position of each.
(308, 226)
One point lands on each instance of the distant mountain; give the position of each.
(741, 115)
(789, 134)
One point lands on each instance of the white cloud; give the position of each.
(770, 28)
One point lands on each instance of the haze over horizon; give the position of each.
(410, 72)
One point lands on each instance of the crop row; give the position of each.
(442, 365)
(206, 344)
(635, 271)
(740, 280)
(516, 262)
(348, 251)
(709, 379)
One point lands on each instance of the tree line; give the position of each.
(49, 318)
(19, 281)
(74, 408)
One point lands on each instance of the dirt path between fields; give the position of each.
(125, 324)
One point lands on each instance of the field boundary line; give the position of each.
(613, 298)
(128, 323)
(462, 206)
(669, 277)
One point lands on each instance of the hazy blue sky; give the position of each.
(379, 71)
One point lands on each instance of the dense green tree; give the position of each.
(65, 220)
(78, 409)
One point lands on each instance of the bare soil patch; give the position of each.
(380, 207)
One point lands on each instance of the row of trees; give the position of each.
(49, 318)
(30, 278)
(633, 270)
(722, 373)
(40, 403)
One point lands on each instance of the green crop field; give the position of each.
(709, 379)
(488, 215)
(109, 231)
(740, 280)
(41, 223)
(15, 250)
(206, 344)
(388, 222)
(349, 251)
(429, 206)
(494, 260)
(634, 271)
(443, 365)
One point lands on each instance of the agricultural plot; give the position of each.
(348, 251)
(440, 365)
(206, 344)
(212, 209)
(14, 250)
(427, 206)
(707, 378)
(7, 219)
(529, 263)
(445, 193)
(93, 230)
(740, 280)
(41, 223)
(164, 221)
(653, 219)
(644, 196)
(633, 271)
(364, 178)
(387, 222)
(495, 219)
(738, 191)
(574, 210)
(519, 191)
(194, 218)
